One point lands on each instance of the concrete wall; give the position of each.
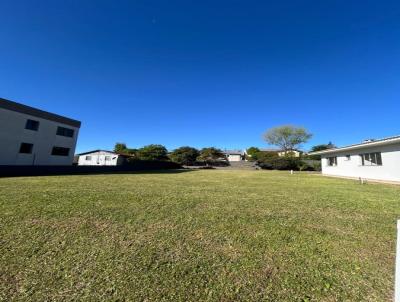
(13, 133)
(390, 169)
(99, 159)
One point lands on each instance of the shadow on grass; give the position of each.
(18, 171)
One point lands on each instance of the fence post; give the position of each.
(397, 274)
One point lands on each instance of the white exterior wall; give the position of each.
(99, 159)
(13, 133)
(234, 157)
(390, 169)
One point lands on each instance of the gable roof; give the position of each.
(17, 107)
(369, 143)
(99, 150)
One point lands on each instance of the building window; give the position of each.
(88, 157)
(332, 161)
(371, 159)
(108, 158)
(26, 148)
(60, 151)
(32, 125)
(348, 157)
(65, 132)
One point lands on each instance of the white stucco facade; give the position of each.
(234, 157)
(100, 158)
(46, 143)
(348, 161)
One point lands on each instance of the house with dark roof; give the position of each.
(102, 158)
(30, 136)
(374, 159)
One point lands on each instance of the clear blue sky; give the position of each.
(206, 73)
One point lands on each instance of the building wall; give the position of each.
(13, 133)
(99, 159)
(390, 169)
(234, 157)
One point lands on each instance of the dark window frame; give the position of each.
(32, 125)
(332, 161)
(26, 148)
(67, 132)
(60, 151)
(371, 159)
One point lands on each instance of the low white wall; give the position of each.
(390, 169)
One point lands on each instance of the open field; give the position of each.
(197, 236)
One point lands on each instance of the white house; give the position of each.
(102, 158)
(30, 136)
(281, 153)
(372, 159)
(234, 155)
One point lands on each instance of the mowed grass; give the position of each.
(197, 236)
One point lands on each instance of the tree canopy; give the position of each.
(287, 137)
(152, 152)
(322, 147)
(184, 155)
(252, 153)
(120, 147)
(211, 154)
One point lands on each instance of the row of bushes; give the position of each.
(190, 156)
(289, 163)
(183, 155)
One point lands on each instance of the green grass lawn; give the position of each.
(197, 236)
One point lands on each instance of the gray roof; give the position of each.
(270, 150)
(369, 143)
(100, 150)
(277, 150)
(17, 107)
(234, 152)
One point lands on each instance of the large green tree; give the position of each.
(287, 137)
(120, 147)
(252, 153)
(211, 155)
(184, 155)
(152, 152)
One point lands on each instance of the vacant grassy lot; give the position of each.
(196, 236)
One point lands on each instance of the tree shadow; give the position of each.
(20, 171)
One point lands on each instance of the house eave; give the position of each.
(24, 109)
(359, 146)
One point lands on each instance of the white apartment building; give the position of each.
(30, 136)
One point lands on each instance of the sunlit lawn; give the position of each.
(196, 236)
